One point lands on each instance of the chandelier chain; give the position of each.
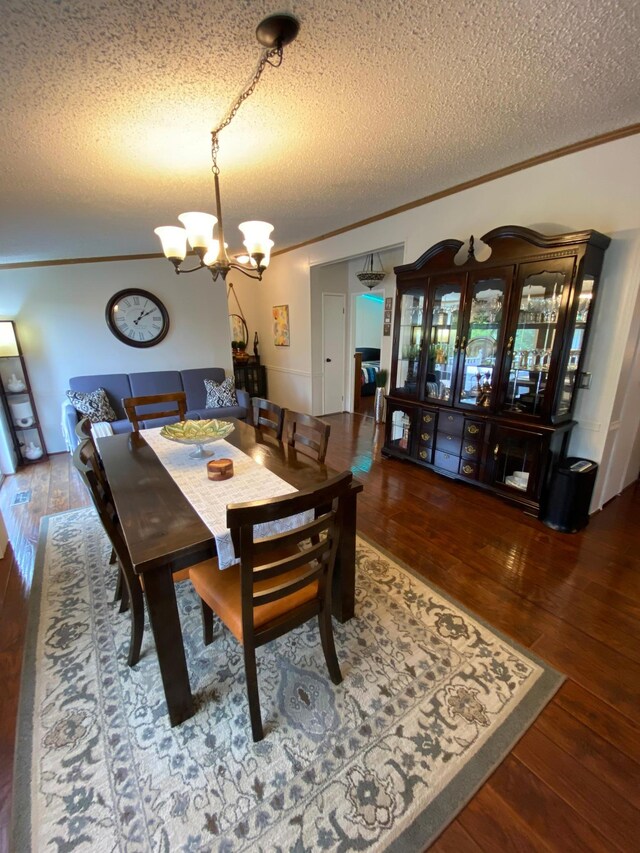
(266, 57)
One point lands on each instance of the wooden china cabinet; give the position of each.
(487, 357)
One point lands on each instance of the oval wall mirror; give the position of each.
(239, 330)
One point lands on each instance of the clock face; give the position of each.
(137, 318)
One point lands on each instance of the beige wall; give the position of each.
(60, 318)
(597, 189)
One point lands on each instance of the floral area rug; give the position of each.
(432, 700)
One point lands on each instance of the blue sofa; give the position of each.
(120, 385)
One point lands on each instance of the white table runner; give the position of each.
(209, 498)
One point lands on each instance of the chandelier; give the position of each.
(369, 276)
(273, 34)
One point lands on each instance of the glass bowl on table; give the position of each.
(198, 433)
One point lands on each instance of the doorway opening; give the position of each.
(369, 318)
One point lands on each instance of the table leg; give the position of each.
(344, 574)
(165, 623)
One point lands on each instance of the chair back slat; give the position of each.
(288, 588)
(267, 571)
(285, 540)
(267, 416)
(273, 509)
(307, 431)
(177, 401)
(263, 559)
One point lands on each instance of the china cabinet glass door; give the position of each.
(443, 338)
(485, 312)
(533, 343)
(516, 460)
(569, 371)
(410, 319)
(400, 420)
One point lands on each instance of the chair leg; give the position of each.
(113, 558)
(133, 591)
(207, 622)
(124, 593)
(118, 593)
(328, 645)
(251, 673)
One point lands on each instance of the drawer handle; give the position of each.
(450, 417)
(470, 449)
(496, 450)
(467, 469)
(423, 454)
(446, 456)
(449, 438)
(425, 436)
(427, 419)
(473, 429)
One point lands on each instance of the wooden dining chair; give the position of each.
(101, 499)
(307, 433)
(267, 416)
(83, 431)
(85, 462)
(277, 586)
(177, 402)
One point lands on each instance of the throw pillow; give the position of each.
(94, 404)
(221, 394)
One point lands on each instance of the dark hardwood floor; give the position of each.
(573, 781)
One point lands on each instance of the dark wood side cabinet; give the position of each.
(17, 399)
(251, 376)
(487, 357)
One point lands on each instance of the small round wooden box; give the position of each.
(220, 469)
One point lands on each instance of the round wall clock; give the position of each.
(137, 317)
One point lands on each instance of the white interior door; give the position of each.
(333, 329)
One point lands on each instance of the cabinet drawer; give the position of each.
(451, 423)
(428, 420)
(449, 443)
(425, 453)
(470, 449)
(446, 461)
(469, 469)
(425, 436)
(473, 429)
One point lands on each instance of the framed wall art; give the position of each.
(280, 315)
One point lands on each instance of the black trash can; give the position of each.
(566, 506)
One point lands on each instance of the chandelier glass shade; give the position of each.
(273, 34)
(370, 276)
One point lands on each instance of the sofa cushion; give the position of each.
(116, 385)
(193, 384)
(220, 394)
(160, 422)
(123, 425)
(225, 412)
(94, 404)
(154, 382)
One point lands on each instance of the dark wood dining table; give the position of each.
(165, 534)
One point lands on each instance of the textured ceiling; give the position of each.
(107, 107)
